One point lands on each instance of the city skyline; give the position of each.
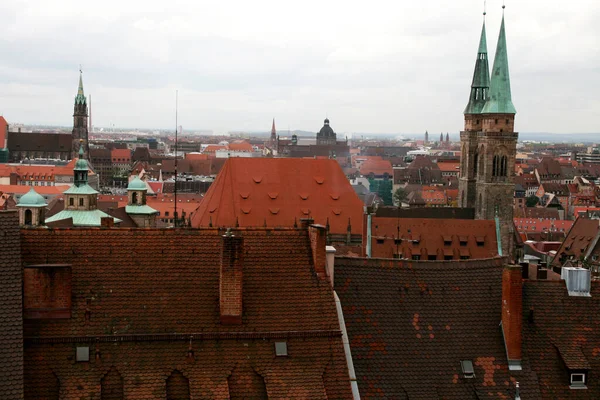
(237, 69)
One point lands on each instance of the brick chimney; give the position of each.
(107, 222)
(47, 291)
(318, 243)
(512, 314)
(231, 279)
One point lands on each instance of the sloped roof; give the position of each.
(542, 225)
(240, 145)
(582, 235)
(432, 236)
(11, 308)
(411, 323)
(560, 331)
(377, 168)
(163, 285)
(124, 154)
(280, 191)
(35, 141)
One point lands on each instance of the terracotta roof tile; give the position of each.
(242, 193)
(165, 311)
(411, 323)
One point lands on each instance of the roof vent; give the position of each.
(82, 354)
(578, 281)
(467, 368)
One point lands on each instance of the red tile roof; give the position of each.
(377, 168)
(145, 301)
(432, 237)
(561, 332)
(410, 324)
(240, 145)
(120, 154)
(581, 240)
(449, 166)
(211, 148)
(11, 308)
(280, 192)
(43, 190)
(537, 225)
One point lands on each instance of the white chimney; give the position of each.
(578, 281)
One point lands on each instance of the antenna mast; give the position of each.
(175, 185)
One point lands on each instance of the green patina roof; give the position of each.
(145, 209)
(81, 164)
(499, 100)
(481, 78)
(32, 199)
(80, 98)
(82, 217)
(81, 189)
(137, 184)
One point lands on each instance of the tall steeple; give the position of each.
(481, 77)
(273, 133)
(80, 121)
(499, 100)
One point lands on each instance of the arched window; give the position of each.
(28, 217)
(476, 163)
(178, 386)
(495, 166)
(111, 385)
(504, 166)
(71, 201)
(134, 198)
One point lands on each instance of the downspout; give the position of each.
(498, 233)
(368, 235)
(346, 342)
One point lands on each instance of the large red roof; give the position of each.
(376, 167)
(280, 192)
(146, 302)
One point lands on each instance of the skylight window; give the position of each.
(578, 381)
(467, 369)
(82, 354)
(281, 349)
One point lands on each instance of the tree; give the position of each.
(400, 195)
(532, 201)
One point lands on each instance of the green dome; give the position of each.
(32, 199)
(81, 164)
(136, 184)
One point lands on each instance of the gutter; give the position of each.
(369, 235)
(346, 342)
(498, 233)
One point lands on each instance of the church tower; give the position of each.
(489, 148)
(80, 122)
(468, 138)
(326, 135)
(273, 134)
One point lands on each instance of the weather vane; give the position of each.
(80, 69)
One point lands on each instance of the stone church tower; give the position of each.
(489, 143)
(79, 134)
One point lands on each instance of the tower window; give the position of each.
(507, 121)
(495, 121)
(71, 202)
(81, 202)
(477, 121)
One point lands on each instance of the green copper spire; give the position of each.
(481, 78)
(80, 98)
(499, 99)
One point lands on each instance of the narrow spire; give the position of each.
(273, 130)
(481, 77)
(80, 98)
(499, 99)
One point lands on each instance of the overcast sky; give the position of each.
(378, 66)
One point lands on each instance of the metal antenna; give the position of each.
(175, 185)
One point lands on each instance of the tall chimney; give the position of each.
(318, 243)
(512, 314)
(231, 279)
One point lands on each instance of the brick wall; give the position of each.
(231, 279)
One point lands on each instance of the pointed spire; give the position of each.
(273, 130)
(80, 98)
(499, 99)
(481, 77)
